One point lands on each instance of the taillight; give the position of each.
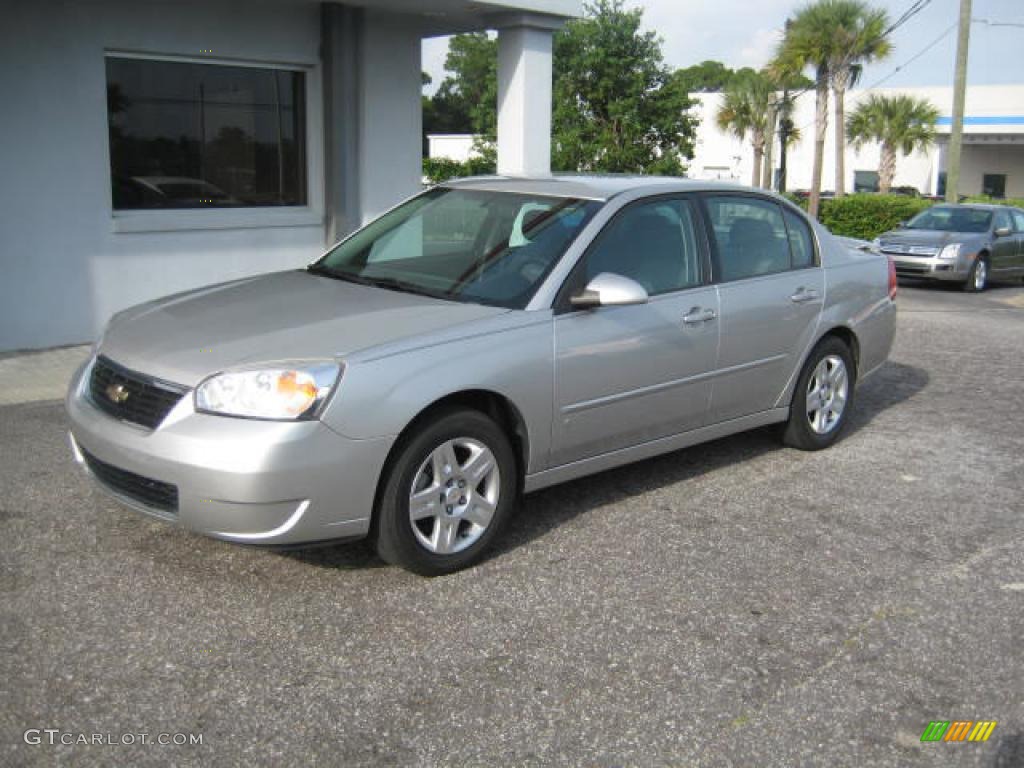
(892, 279)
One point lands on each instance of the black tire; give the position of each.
(798, 432)
(392, 531)
(972, 285)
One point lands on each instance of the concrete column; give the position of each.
(391, 111)
(341, 30)
(524, 94)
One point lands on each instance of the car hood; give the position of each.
(928, 237)
(282, 316)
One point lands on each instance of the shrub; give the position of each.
(868, 215)
(438, 169)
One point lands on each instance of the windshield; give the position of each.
(949, 219)
(464, 245)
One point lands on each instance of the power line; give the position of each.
(916, 56)
(915, 8)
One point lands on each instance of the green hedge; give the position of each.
(438, 169)
(867, 215)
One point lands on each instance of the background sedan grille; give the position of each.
(132, 396)
(152, 493)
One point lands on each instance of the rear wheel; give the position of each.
(823, 398)
(977, 278)
(447, 495)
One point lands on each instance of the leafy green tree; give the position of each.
(472, 87)
(899, 123)
(617, 107)
(831, 37)
(706, 77)
(748, 112)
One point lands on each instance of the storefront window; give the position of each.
(188, 135)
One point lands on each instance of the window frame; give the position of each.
(563, 305)
(783, 207)
(131, 221)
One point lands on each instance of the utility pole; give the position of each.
(956, 135)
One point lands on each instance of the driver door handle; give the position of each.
(804, 295)
(696, 316)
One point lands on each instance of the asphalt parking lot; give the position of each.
(735, 604)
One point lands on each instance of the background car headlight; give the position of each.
(951, 251)
(276, 392)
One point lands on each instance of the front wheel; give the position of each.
(977, 278)
(447, 494)
(823, 398)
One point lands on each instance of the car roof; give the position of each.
(978, 206)
(593, 187)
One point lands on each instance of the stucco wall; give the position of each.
(65, 268)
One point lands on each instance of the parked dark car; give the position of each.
(969, 244)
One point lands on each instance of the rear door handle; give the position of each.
(804, 295)
(696, 316)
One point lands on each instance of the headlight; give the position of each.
(276, 392)
(951, 251)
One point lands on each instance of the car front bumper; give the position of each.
(244, 480)
(932, 267)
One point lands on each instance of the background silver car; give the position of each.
(483, 339)
(968, 244)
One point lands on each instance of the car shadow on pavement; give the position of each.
(550, 508)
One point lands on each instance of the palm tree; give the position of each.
(899, 123)
(830, 36)
(859, 39)
(747, 110)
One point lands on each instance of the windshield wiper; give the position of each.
(388, 283)
(395, 284)
(325, 271)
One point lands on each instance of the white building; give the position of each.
(152, 146)
(992, 160)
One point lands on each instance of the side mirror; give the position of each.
(1001, 231)
(901, 225)
(610, 290)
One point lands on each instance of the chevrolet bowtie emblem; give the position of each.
(117, 393)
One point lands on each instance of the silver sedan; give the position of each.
(481, 340)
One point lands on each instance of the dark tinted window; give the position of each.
(750, 235)
(653, 243)
(801, 243)
(186, 135)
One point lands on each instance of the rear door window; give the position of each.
(750, 236)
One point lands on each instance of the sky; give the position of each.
(744, 33)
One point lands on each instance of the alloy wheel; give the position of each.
(454, 495)
(980, 275)
(827, 392)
